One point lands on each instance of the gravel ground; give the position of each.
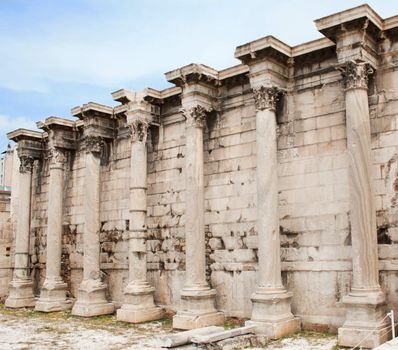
(26, 329)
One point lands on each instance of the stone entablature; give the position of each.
(233, 190)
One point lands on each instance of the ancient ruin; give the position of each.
(266, 191)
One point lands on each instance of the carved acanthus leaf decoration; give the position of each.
(196, 116)
(94, 144)
(266, 97)
(26, 164)
(57, 156)
(139, 130)
(356, 75)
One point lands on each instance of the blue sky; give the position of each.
(56, 54)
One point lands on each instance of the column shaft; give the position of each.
(194, 213)
(362, 209)
(91, 295)
(54, 223)
(138, 208)
(267, 201)
(197, 307)
(365, 303)
(53, 292)
(21, 269)
(21, 286)
(91, 257)
(271, 311)
(138, 303)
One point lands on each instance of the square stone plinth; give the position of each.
(276, 330)
(138, 315)
(93, 309)
(191, 320)
(21, 295)
(53, 305)
(364, 338)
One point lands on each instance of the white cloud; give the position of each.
(8, 123)
(106, 43)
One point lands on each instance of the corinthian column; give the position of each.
(53, 292)
(91, 296)
(365, 302)
(197, 307)
(21, 286)
(138, 303)
(271, 302)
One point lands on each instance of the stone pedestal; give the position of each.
(91, 296)
(271, 302)
(138, 305)
(21, 286)
(197, 307)
(365, 303)
(53, 292)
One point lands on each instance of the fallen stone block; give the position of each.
(183, 338)
(239, 342)
(215, 337)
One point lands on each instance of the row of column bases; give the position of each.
(271, 301)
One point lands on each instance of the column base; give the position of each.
(91, 300)
(20, 294)
(197, 310)
(272, 314)
(364, 325)
(192, 321)
(138, 304)
(131, 314)
(53, 297)
(276, 330)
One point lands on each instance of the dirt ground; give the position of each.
(27, 329)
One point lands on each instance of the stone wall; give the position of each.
(6, 243)
(313, 203)
(313, 187)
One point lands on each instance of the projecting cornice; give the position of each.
(330, 25)
(59, 132)
(193, 73)
(92, 108)
(25, 134)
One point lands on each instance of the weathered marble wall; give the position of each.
(6, 243)
(313, 202)
(313, 187)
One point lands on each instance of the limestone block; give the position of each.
(232, 242)
(251, 242)
(215, 243)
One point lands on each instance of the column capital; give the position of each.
(57, 157)
(93, 144)
(355, 74)
(266, 97)
(26, 164)
(196, 116)
(138, 130)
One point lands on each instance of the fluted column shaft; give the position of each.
(21, 287)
